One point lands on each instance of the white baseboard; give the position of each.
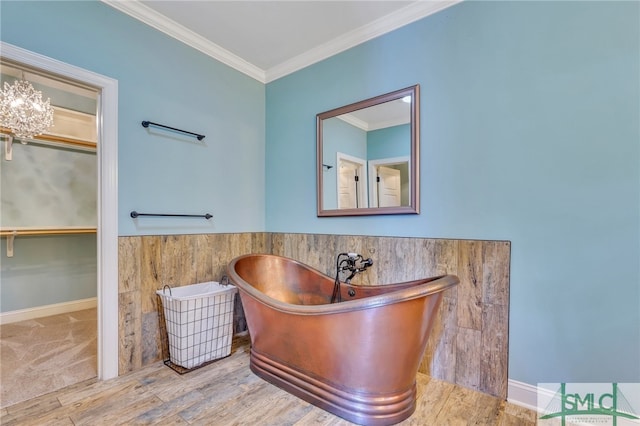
(526, 395)
(47, 310)
(522, 394)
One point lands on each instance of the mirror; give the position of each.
(367, 156)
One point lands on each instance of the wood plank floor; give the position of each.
(226, 392)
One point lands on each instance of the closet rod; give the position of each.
(135, 214)
(146, 124)
(52, 138)
(45, 231)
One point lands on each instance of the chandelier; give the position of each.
(23, 111)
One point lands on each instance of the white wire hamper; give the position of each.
(199, 321)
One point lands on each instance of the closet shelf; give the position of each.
(56, 139)
(27, 231)
(33, 231)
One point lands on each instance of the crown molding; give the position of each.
(145, 14)
(411, 13)
(354, 121)
(363, 125)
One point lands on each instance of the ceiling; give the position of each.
(268, 39)
(380, 116)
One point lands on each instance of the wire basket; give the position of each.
(199, 321)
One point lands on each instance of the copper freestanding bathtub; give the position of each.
(357, 359)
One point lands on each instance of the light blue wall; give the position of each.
(389, 142)
(339, 136)
(530, 133)
(48, 186)
(162, 80)
(47, 270)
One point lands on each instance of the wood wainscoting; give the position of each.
(469, 342)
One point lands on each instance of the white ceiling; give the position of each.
(380, 116)
(268, 39)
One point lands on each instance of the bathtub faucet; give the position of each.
(355, 264)
(351, 262)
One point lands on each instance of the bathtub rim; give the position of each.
(407, 290)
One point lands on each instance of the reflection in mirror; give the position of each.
(368, 156)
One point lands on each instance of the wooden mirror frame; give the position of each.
(414, 161)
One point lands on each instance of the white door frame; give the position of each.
(373, 165)
(107, 236)
(363, 196)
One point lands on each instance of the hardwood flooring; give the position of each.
(226, 392)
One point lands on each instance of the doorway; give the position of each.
(49, 262)
(107, 195)
(351, 182)
(389, 182)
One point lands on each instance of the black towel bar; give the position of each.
(134, 214)
(146, 124)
